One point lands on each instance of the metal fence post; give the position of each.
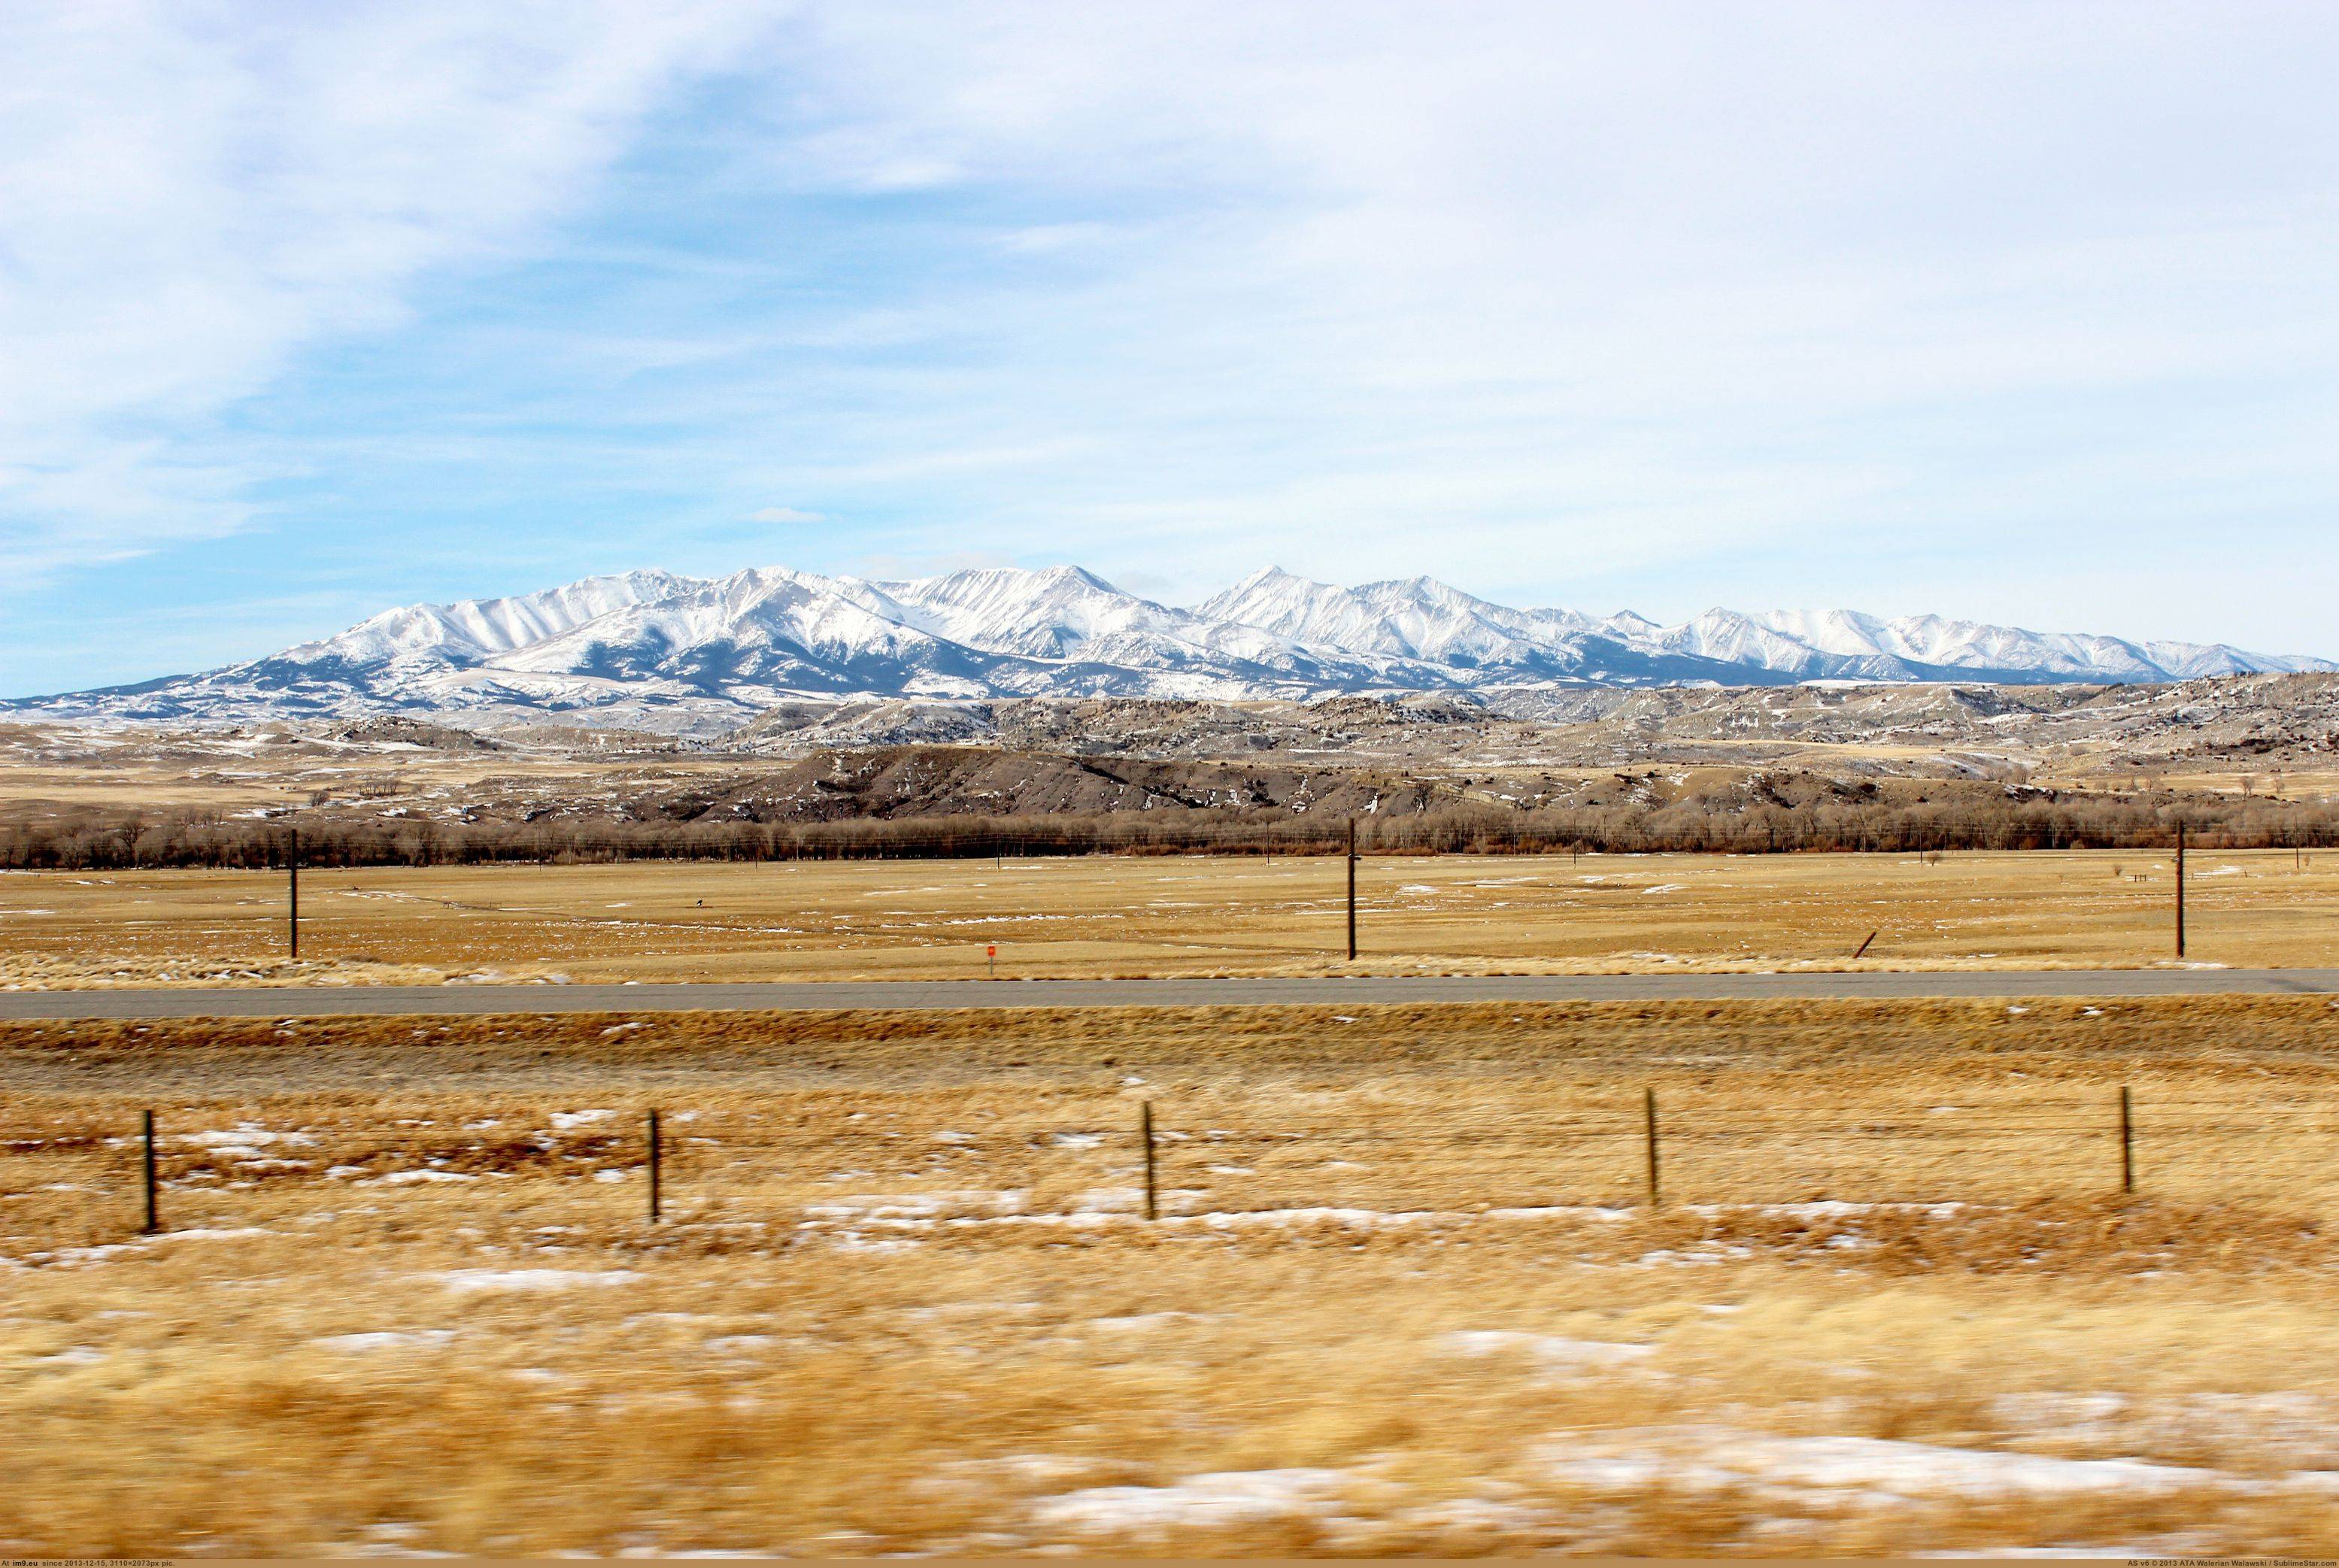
(292, 879)
(1352, 889)
(146, 1127)
(655, 1149)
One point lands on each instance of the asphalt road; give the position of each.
(314, 1001)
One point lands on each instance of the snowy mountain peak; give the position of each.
(666, 651)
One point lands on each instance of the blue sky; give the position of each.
(2018, 312)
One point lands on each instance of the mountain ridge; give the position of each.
(658, 649)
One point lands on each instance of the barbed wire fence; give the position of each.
(1144, 1159)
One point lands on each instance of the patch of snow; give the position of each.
(1215, 1501)
(241, 1139)
(385, 1339)
(1353, 1218)
(1139, 1321)
(469, 1281)
(739, 1344)
(1710, 1458)
(1559, 1211)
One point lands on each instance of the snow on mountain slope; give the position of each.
(1418, 619)
(655, 649)
(1930, 645)
(1731, 638)
(480, 627)
(1046, 615)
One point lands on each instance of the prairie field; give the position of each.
(1408, 1291)
(1115, 916)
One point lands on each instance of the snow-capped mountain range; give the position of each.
(699, 654)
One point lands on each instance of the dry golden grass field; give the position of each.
(1125, 915)
(1407, 1293)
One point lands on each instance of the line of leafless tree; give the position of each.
(100, 841)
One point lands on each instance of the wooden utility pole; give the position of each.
(2180, 887)
(292, 870)
(1648, 1122)
(1145, 1131)
(1352, 889)
(2127, 1144)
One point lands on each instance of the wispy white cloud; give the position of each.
(1641, 294)
(195, 194)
